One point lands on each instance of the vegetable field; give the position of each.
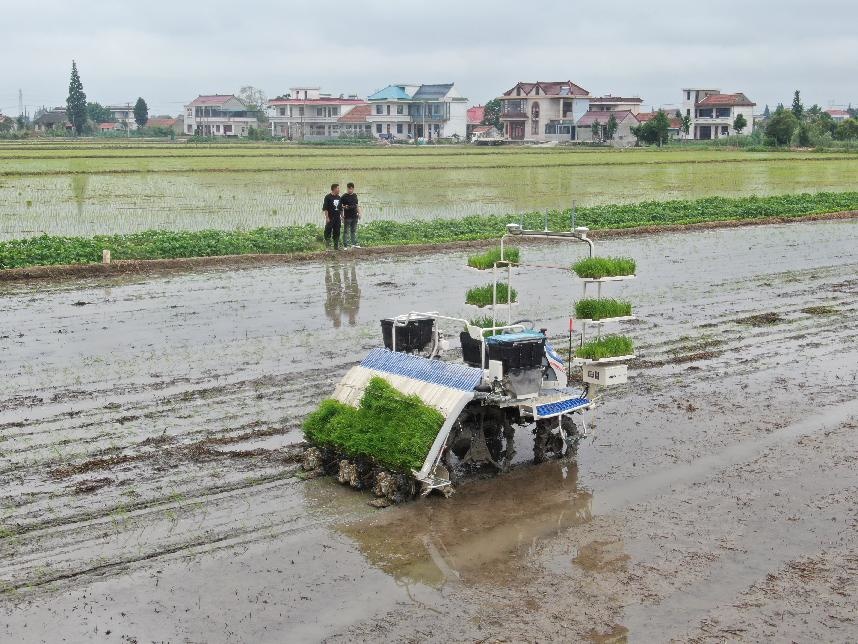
(95, 189)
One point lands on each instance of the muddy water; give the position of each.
(147, 468)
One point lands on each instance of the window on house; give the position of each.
(378, 128)
(400, 109)
(687, 96)
(723, 112)
(217, 128)
(688, 111)
(300, 110)
(282, 111)
(399, 128)
(388, 110)
(320, 111)
(227, 129)
(335, 110)
(534, 111)
(725, 129)
(379, 109)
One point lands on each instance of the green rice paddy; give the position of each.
(86, 189)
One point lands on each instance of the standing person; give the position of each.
(351, 214)
(332, 206)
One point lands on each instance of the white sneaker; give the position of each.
(356, 246)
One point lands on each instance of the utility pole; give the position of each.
(20, 102)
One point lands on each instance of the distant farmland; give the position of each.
(90, 188)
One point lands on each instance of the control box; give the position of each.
(606, 374)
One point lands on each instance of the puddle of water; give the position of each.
(482, 534)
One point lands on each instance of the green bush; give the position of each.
(610, 346)
(482, 295)
(488, 259)
(600, 309)
(167, 244)
(391, 429)
(598, 267)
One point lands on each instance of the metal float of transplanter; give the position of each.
(509, 380)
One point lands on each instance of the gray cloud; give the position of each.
(169, 52)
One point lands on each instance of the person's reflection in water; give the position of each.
(342, 293)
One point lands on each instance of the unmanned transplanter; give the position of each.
(413, 417)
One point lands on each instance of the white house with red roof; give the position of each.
(543, 110)
(713, 113)
(837, 114)
(307, 114)
(219, 115)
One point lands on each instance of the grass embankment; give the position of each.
(484, 295)
(48, 250)
(488, 259)
(391, 429)
(601, 309)
(599, 267)
(609, 346)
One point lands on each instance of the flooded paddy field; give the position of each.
(91, 190)
(148, 459)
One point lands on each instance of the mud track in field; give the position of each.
(150, 489)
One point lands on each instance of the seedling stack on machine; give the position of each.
(420, 413)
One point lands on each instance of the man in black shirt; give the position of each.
(332, 206)
(351, 214)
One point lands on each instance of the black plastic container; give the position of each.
(517, 351)
(414, 335)
(472, 350)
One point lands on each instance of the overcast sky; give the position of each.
(168, 52)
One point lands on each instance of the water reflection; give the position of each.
(482, 534)
(342, 293)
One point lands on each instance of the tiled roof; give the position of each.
(314, 101)
(52, 117)
(429, 92)
(616, 99)
(107, 126)
(357, 114)
(213, 99)
(391, 93)
(730, 100)
(842, 113)
(161, 123)
(476, 114)
(603, 115)
(675, 122)
(549, 88)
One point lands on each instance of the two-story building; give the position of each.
(543, 111)
(713, 113)
(219, 115)
(123, 115)
(610, 103)
(309, 115)
(411, 111)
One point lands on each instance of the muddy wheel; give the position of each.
(548, 441)
(481, 435)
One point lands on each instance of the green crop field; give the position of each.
(86, 189)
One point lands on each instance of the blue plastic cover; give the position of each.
(563, 406)
(455, 376)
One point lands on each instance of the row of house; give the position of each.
(540, 111)
(122, 120)
(401, 111)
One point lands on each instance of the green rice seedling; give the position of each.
(610, 346)
(389, 428)
(482, 295)
(598, 267)
(490, 257)
(602, 308)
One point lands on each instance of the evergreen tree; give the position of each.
(611, 128)
(492, 114)
(141, 112)
(797, 107)
(766, 112)
(76, 102)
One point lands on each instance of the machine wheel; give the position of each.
(548, 442)
(481, 435)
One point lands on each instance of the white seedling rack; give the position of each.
(600, 324)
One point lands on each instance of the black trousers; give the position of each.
(332, 232)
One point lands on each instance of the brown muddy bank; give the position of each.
(148, 477)
(163, 266)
